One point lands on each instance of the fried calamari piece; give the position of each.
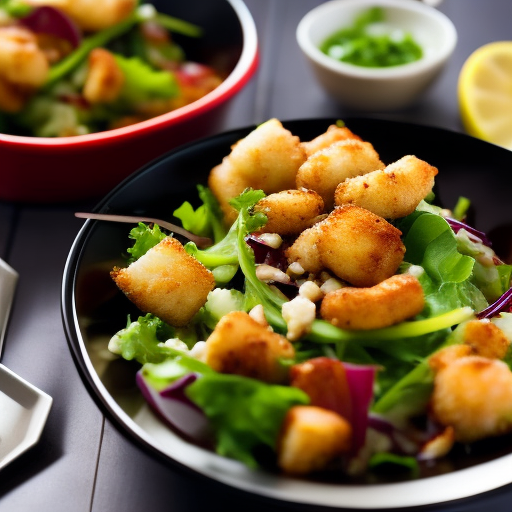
(325, 169)
(392, 192)
(167, 282)
(359, 246)
(267, 159)
(291, 211)
(473, 395)
(242, 346)
(311, 438)
(390, 302)
(330, 136)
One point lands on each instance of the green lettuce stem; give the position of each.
(73, 60)
(323, 332)
(418, 374)
(179, 26)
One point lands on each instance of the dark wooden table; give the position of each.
(82, 463)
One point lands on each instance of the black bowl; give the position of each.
(93, 309)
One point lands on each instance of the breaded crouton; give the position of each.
(325, 169)
(104, 79)
(305, 251)
(311, 438)
(473, 395)
(392, 192)
(330, 136)
(242, 346)
(267, 159)
(225, 184)
(359, 246)
(291, 211)
(486, 339)
(167, 282)
(390, 302)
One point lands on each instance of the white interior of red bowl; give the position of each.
(238, 77)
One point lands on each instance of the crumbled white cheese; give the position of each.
(311, 291)
(198, 350)
(257, 313)
(295, 269)
(330, 285)
(176, 344)
(299, 314)
(268, 273)
(415, 270)
(272, 240)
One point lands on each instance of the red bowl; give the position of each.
(44, 170)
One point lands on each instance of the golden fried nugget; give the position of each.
(359, 246)
(305, 250)
(330, 136)
(473, 395)
(311, 438)
(89, 15)
(325, 169)
(167, 282)
(291, 211)
(240, 345)
(226, 184)
(22, 62)
(267, 159)
(390, 302)
(104, 79)
(486, 339)
(447, 355)
(392, 192)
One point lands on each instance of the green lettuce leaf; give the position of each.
(143, 339)
(224, 257)
(447, 277)
(162, 375)
(207, 219)
(145, 238)
(143, 83)
(245, 413)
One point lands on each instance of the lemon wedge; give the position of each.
(485, 93)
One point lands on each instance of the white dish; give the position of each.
(23, 413)
(23, 408)
(377, 88)
(8, 281)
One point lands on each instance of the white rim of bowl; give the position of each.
(316, 55)
(235, 80)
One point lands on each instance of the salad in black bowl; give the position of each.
(328, 331)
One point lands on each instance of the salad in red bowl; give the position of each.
(88, 95)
